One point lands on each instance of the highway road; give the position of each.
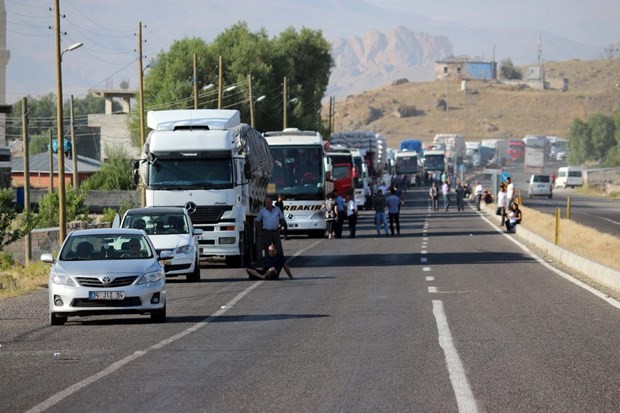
(453, 316)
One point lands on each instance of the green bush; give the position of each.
(75, 210)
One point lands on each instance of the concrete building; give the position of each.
(113, 126)
(462, 68)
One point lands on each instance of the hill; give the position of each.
(490, 109)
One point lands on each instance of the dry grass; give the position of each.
(21, 280)
(581, 240)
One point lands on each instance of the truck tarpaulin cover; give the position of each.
(257, 152)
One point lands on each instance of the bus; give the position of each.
(300, 172)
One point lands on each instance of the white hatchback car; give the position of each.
(540, 185)
(170, 228)
(107, 271)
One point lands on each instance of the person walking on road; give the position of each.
(460, 197)
(478, 194)
(433, 194)
(268, 222)
(351, 215)
(331, 214)
(341, 214)
(379, 207)
(280, 204)
(502, 198)
(445, 192)
(393, 203)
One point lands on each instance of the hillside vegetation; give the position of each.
(490, 109)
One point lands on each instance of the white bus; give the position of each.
(299, 175)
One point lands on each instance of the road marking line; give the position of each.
(423, 259)
(432, 289)
(60, 396)
(423, 252)
(430, 278)
(426, 269)
(465, 400)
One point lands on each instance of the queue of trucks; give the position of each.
(221, 171)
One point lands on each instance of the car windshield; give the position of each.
(94, 247)
(158, 224)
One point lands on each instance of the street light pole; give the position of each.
(284, 104)
(62, 215)
(142, 130)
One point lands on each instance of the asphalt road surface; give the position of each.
(453, 315)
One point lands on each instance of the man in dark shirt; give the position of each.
(274, 263)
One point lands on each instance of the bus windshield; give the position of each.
(297, 172)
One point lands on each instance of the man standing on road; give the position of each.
(379, 206)
(510, 191)
(351, 215)
(342, 214)
(268, 222)
(445, 192)
(478, 194)
(394, 202)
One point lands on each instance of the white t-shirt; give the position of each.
(510, 190)
(502, 197)
(351, 208)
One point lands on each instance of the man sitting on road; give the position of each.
(274, 263)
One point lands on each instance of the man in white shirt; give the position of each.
(510, 191)
(445, 191)
(478, 194)
(351, 215)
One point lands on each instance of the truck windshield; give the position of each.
(434, 163)
(194, 173)
(298, 172)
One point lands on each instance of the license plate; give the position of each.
(106, 295)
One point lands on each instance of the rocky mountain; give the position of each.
(378, 59)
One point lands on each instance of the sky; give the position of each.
(108, 30)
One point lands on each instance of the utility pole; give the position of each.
(25, 120)
(195, 80)
(73, 147)
(220, 85)
(51, 139)
(62, 216)
(142, 130)
(251, 101)
(284, 104)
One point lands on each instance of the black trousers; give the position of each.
(394, 219)
(352, 225)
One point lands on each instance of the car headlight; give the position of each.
(63, 279)
(151, 277)
(185, 249)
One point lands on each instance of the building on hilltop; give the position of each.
(464, 68)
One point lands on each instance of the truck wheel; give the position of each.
(238, 261)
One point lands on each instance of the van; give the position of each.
(569, 176)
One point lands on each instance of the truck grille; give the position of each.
(208, 214)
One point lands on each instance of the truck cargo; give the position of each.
(214, 166)
(535, 153)
(373, 145)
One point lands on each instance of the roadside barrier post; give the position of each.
(557, 226)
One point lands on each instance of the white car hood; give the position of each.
(170, 241)
(108, 266)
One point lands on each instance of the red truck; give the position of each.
(516, 150)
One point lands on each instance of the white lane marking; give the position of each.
(601, 295)
(426, 269)
(423, 252)
(429, 278)
(60, 396)
(425, 239)
(465, 400)
(423, 259)
(432, 289)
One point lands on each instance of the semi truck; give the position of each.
(373, 146)
(535, 153)
(408, 164)
(516, 150)
(214, 166)
(454, 147)
(300, 176)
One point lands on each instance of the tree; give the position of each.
(114, 175)
(12, 225)
(579, 143)
(602, 135)
(509, 71)
(74, 208)
(304, 58)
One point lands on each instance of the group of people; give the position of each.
(338, 209)
(507, 207)
(461, 189)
